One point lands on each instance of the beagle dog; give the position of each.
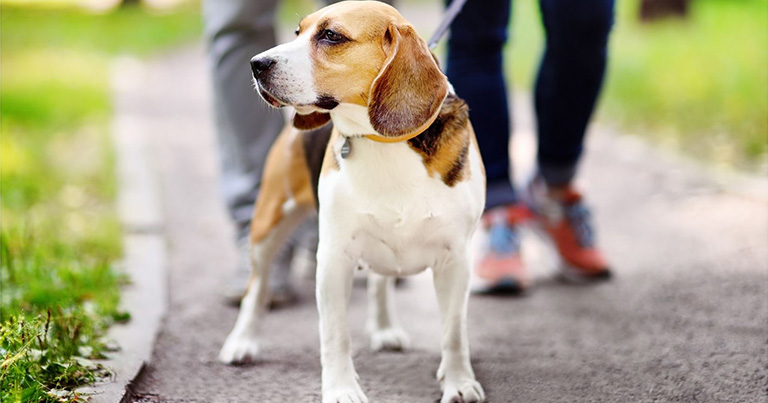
(398, 181)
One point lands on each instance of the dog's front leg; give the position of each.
(334, 287)
(455, 374)
(382, 325)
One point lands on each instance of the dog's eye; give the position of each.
(331, 36)
(296, 31)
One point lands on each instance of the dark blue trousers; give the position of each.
(568, 83)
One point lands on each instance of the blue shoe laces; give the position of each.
(580, 219)
(503, 239)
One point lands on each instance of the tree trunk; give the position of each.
(654, 9)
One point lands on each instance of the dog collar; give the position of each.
(382, 139)
(422, 129)
(346, 148)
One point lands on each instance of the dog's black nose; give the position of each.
(261, 65)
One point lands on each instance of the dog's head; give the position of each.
(361, 61)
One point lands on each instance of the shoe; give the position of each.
(501, 269)
(566, 220)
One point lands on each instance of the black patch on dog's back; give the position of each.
(452, 117)
(428, 141)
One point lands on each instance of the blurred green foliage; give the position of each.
(60, 234)
(699, 84)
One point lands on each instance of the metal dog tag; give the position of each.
(345, 148)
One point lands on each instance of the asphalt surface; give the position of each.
(684, 320)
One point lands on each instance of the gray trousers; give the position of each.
(237, 30)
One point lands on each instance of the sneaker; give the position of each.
(566, 220)
(501, 269)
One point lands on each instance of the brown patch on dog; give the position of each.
(286, 176)
(444, 146)
(410, 88)
(476, 148)
(457, 168)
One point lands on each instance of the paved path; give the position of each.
(684, 320)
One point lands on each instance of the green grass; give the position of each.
(60, 234)
(699, 85)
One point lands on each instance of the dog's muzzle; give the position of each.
(260, 68)
(264, 69)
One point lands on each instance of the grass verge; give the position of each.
(699, 85)
(60, 234)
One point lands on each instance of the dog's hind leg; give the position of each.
(242, 343)
(385, 333)
(285, 199)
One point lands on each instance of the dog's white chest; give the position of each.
(383, 208)
(401, 246)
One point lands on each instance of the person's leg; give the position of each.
(569, 81)
(568, 84)
(474, 67)
(236, 31)
(246, 127)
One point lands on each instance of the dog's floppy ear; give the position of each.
(407, 94)
(310, 121)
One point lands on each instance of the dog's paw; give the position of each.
(391, 338)
(466, 391)
(238, 349)
(349, 394)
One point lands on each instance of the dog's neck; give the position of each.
(352, 120)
